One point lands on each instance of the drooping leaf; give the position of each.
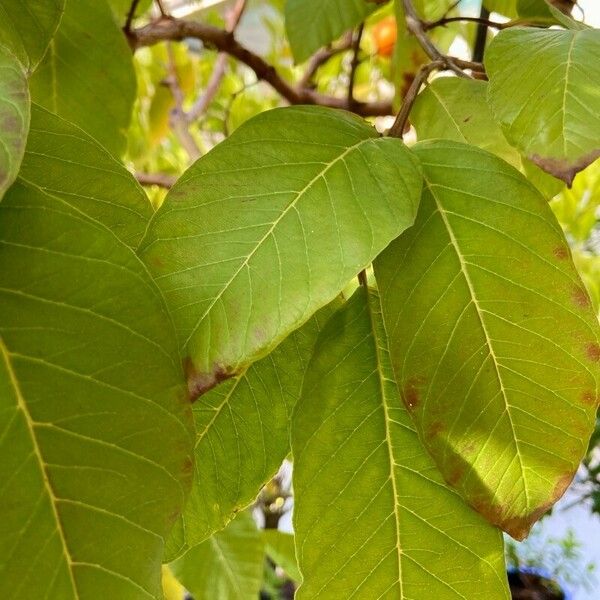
(87, 76)
(227, 566)
(492, 336)
(26, 28)
(454, 108)
(372, 516)
(280, 548)
(311, 24)
(243, 436)
(14, 117)
(545, 93)
(269, 226)
(95, 429)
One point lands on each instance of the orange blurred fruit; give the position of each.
(385, 33)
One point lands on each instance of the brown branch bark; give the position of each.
(214, 83)
(160, 179)
(321, 57)
(178, 29)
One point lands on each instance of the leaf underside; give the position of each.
(372, 516)
(269, 226)
(493, 339)
(545, 93)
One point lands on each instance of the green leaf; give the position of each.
(87, 76)
(227, 566)
(545, 93)
(280, 548)
(543, 10)
(26, 28)
(456, 109)
(65, 161)
(243, 436)
(492, 336)
(14, 117)
(269, 226)
(311, 24)
(121, 9)
(372, 516)
(507, 8)
(95, 429)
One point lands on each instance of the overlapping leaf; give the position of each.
(65, 161)
(280, 548)
(26, 27)
(492, 336)
(243, 436)
(269, 226)
(545, 93)
(87, 76)
(311, 24)
(227, 566)
(95, 428)
(372, 516)
(454, 108)
(14, 117)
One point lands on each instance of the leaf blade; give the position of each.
(300, 167)
(499, 308)
(366, 516)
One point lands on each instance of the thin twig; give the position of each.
(397, 129)
(481, 35)
(130, 16)
(179, 29)
(427, 25)
(214, 83)
(160, 179)
(321, 57)
(161, 8)
(354, 63)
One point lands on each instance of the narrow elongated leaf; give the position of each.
(243, 436)
(95, 430)
(280, 548)
(311, 24)
(372, 516)
(453, 108)
(545, 93)
(227, 566)
(26, 27)
(65, 161)
(270, 226)
(14, 117)
(87, 76)
(492, 336)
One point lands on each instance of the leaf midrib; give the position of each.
(275, 223)
(492, 355)
(22, 406)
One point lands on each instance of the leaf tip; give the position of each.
(562, 168)
(200, 383)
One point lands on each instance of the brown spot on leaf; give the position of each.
(580, 297)
(593, 351)
(561, 252)
(200, 383)
(563, 168)
(588, 397)
(467, 119)
(188, 465)
(411, 392)
(435, 429)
